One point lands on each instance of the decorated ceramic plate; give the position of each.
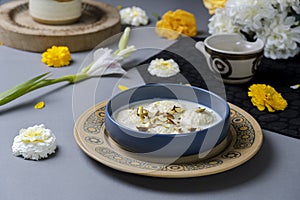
(244, 141)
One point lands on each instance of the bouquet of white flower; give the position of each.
(276, 22)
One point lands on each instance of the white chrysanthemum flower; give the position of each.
(163, 68)
(250, 14)
(34, 143)
(272, 21)
(221, 23)
(134, 16)
(284, 5)
(281, 38)
(295, 4)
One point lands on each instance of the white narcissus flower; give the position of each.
(134, 16)
(163, 68)
(34, 143)
(105, 62)
(108, 62)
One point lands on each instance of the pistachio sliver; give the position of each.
(179, 110)
(172, 111)
(176, 109)
(200, 110)
(141, 112)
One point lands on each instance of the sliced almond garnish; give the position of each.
(192, 129)
(170, 116)
(170, 121)
(141, 128)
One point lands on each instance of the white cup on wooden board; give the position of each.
(231, 56)
(55, 11)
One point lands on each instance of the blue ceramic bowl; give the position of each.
(168, 145)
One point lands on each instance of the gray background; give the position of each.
(71, 175)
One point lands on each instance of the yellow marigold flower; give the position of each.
(175, 23)
(266, 96)
(57, 56)
(212, 5)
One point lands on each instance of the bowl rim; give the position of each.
(258, 50)
(150, 134)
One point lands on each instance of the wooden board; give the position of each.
(98, 22)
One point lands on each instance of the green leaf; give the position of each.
(156, 16)
(17, 87)
(20, 89)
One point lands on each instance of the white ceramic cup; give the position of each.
(55, 11)
(231, 56)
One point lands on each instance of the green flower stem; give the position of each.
(123, 41)
(42, 81)
(73, 78)
(87, 68)
(156, 16)
(36, 83)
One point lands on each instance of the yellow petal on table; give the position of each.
(122, 87)
(295, 86)
(39, 105)
(1, 43)
(186, 84)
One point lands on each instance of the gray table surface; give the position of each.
(71, 175)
